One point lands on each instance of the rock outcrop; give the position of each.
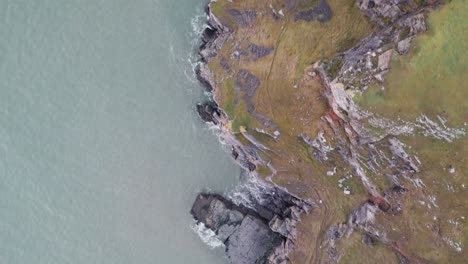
(214, 36)
(321, 12)
(263, 233)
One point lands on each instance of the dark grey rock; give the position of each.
(368, 240)
(247, 236)
(264, 232)
(225, 231)
(266, 121)
(258, 52)
(224, 63)
(402, 259)
(213, 37)
(251, 242)
(383, 12)
(275, 16)
(291, 4)
(334, 233)
(243, 17)
(205, 77)
(363, 214)
(321, 12)
(248, 84)
(209, 112)
(209, 34)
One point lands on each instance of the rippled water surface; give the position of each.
(101, 151)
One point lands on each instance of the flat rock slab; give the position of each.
(384, 60)
(251, 242)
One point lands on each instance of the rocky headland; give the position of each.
(287, 106)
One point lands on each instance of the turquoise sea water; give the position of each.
(101, 151)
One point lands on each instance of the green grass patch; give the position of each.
(432, 78)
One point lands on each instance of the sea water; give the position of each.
(101, 149)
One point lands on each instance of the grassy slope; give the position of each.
(432, 79)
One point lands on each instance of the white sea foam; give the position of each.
(207, 235)
(198, 23)
(250, 191)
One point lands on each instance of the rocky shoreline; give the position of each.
(265, 230)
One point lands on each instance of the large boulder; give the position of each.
(258, 234)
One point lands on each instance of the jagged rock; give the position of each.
(363, 215)
(225, 231)
(209, 112)
(208, 35)
(252, 140)
(402, 259)
(221, 215)
(248, 84)
(398, 189)
(214, 36)
(384, 60)
(439, 130)
(381, 10)
(397, 149)
(224, 63)
(205, 77)
(322, 12)
(243, 17)
(416, 23)
(251, 242)
(247, 237)
(368, 240)
(260, 234)
(359, 68)
(319, 144)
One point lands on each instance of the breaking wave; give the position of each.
(252, 191)
(207, 235)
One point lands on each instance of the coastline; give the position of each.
(275, 207)
(347, 122)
